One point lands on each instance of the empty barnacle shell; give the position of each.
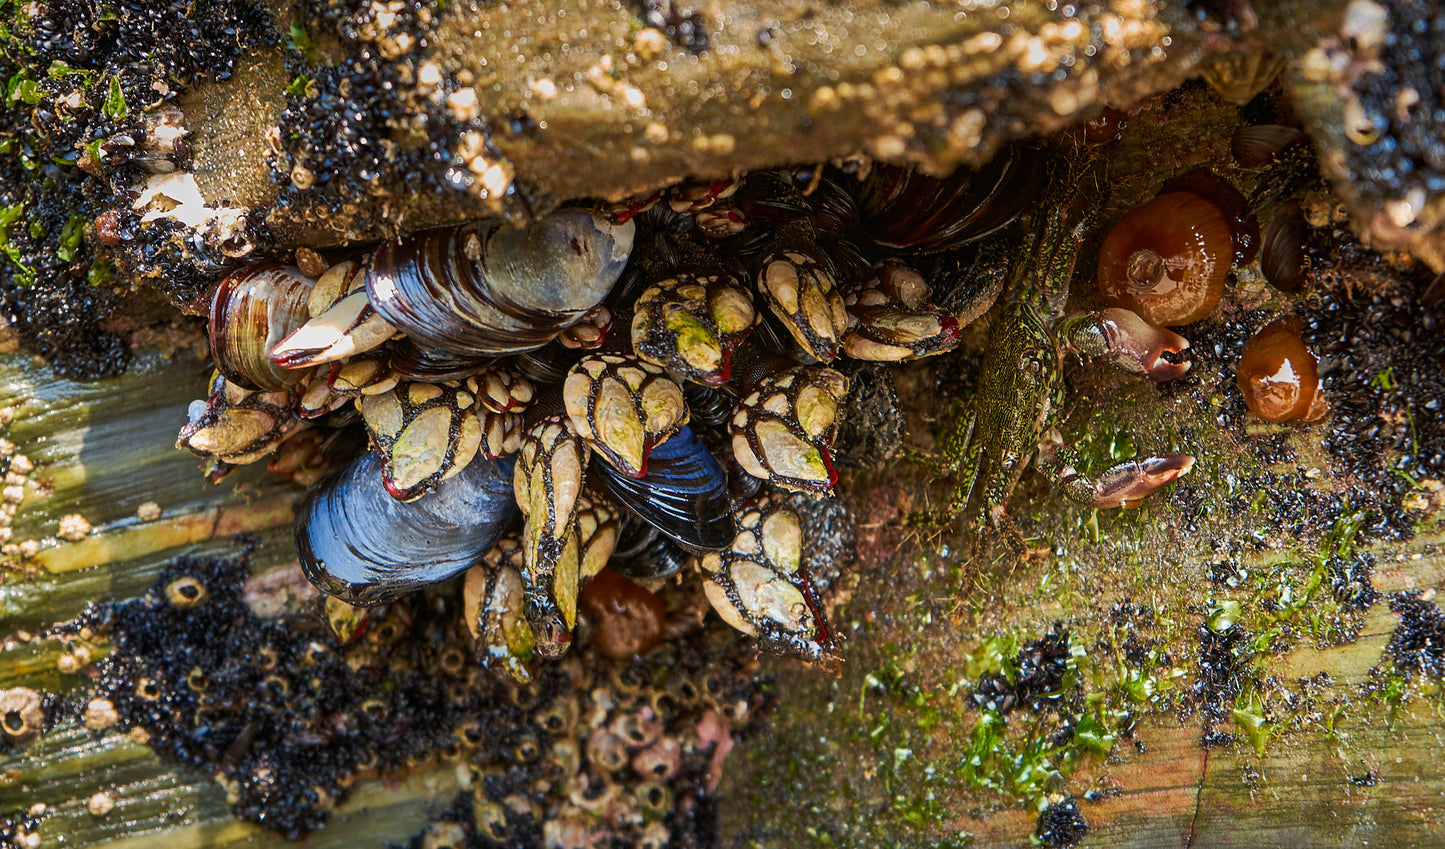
(894, 319)
(487, 288)
(492, 602)
(623, 407)
(342, 321)
(1167, 259)
(690, 325)
(908, 210)
(783, 430)
(235, 425)
(547, 485)
(804, 296)
(760, 586)
(251, 311)
(359, 544)
(683, 494)
(426, 432)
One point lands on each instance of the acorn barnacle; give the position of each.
(1167, 260)
(1278, 375)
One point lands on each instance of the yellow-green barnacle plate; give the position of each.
(803, 295)
(782, 432)
(759, 586)
(690, 325)
(492, 604)
(550, 575)
(623, 407)
(598, 522)
(235, 425)
(547, 484)
(426, 432)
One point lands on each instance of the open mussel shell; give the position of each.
(252, 310)
(358, 543)
(489, 289)
(684, 493)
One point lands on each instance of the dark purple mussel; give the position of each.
(910, 211)
(485, 288)
(644, 553)
(361, 545)
(684, 493)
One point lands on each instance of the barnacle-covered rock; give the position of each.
(624, 408)
(760, 586)
(358, 543)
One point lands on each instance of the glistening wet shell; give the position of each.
(1167, 259)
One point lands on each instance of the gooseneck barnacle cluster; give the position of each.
(651, 376)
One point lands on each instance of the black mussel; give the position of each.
(684, 493)
(1261, 144)
(910, 211)
(251, 312)
(486, 288)
(359, 544)
(431, 365)
(1285, 257)
(643, 553)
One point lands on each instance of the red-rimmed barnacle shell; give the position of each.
(1279, 377)
(1167, 259)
